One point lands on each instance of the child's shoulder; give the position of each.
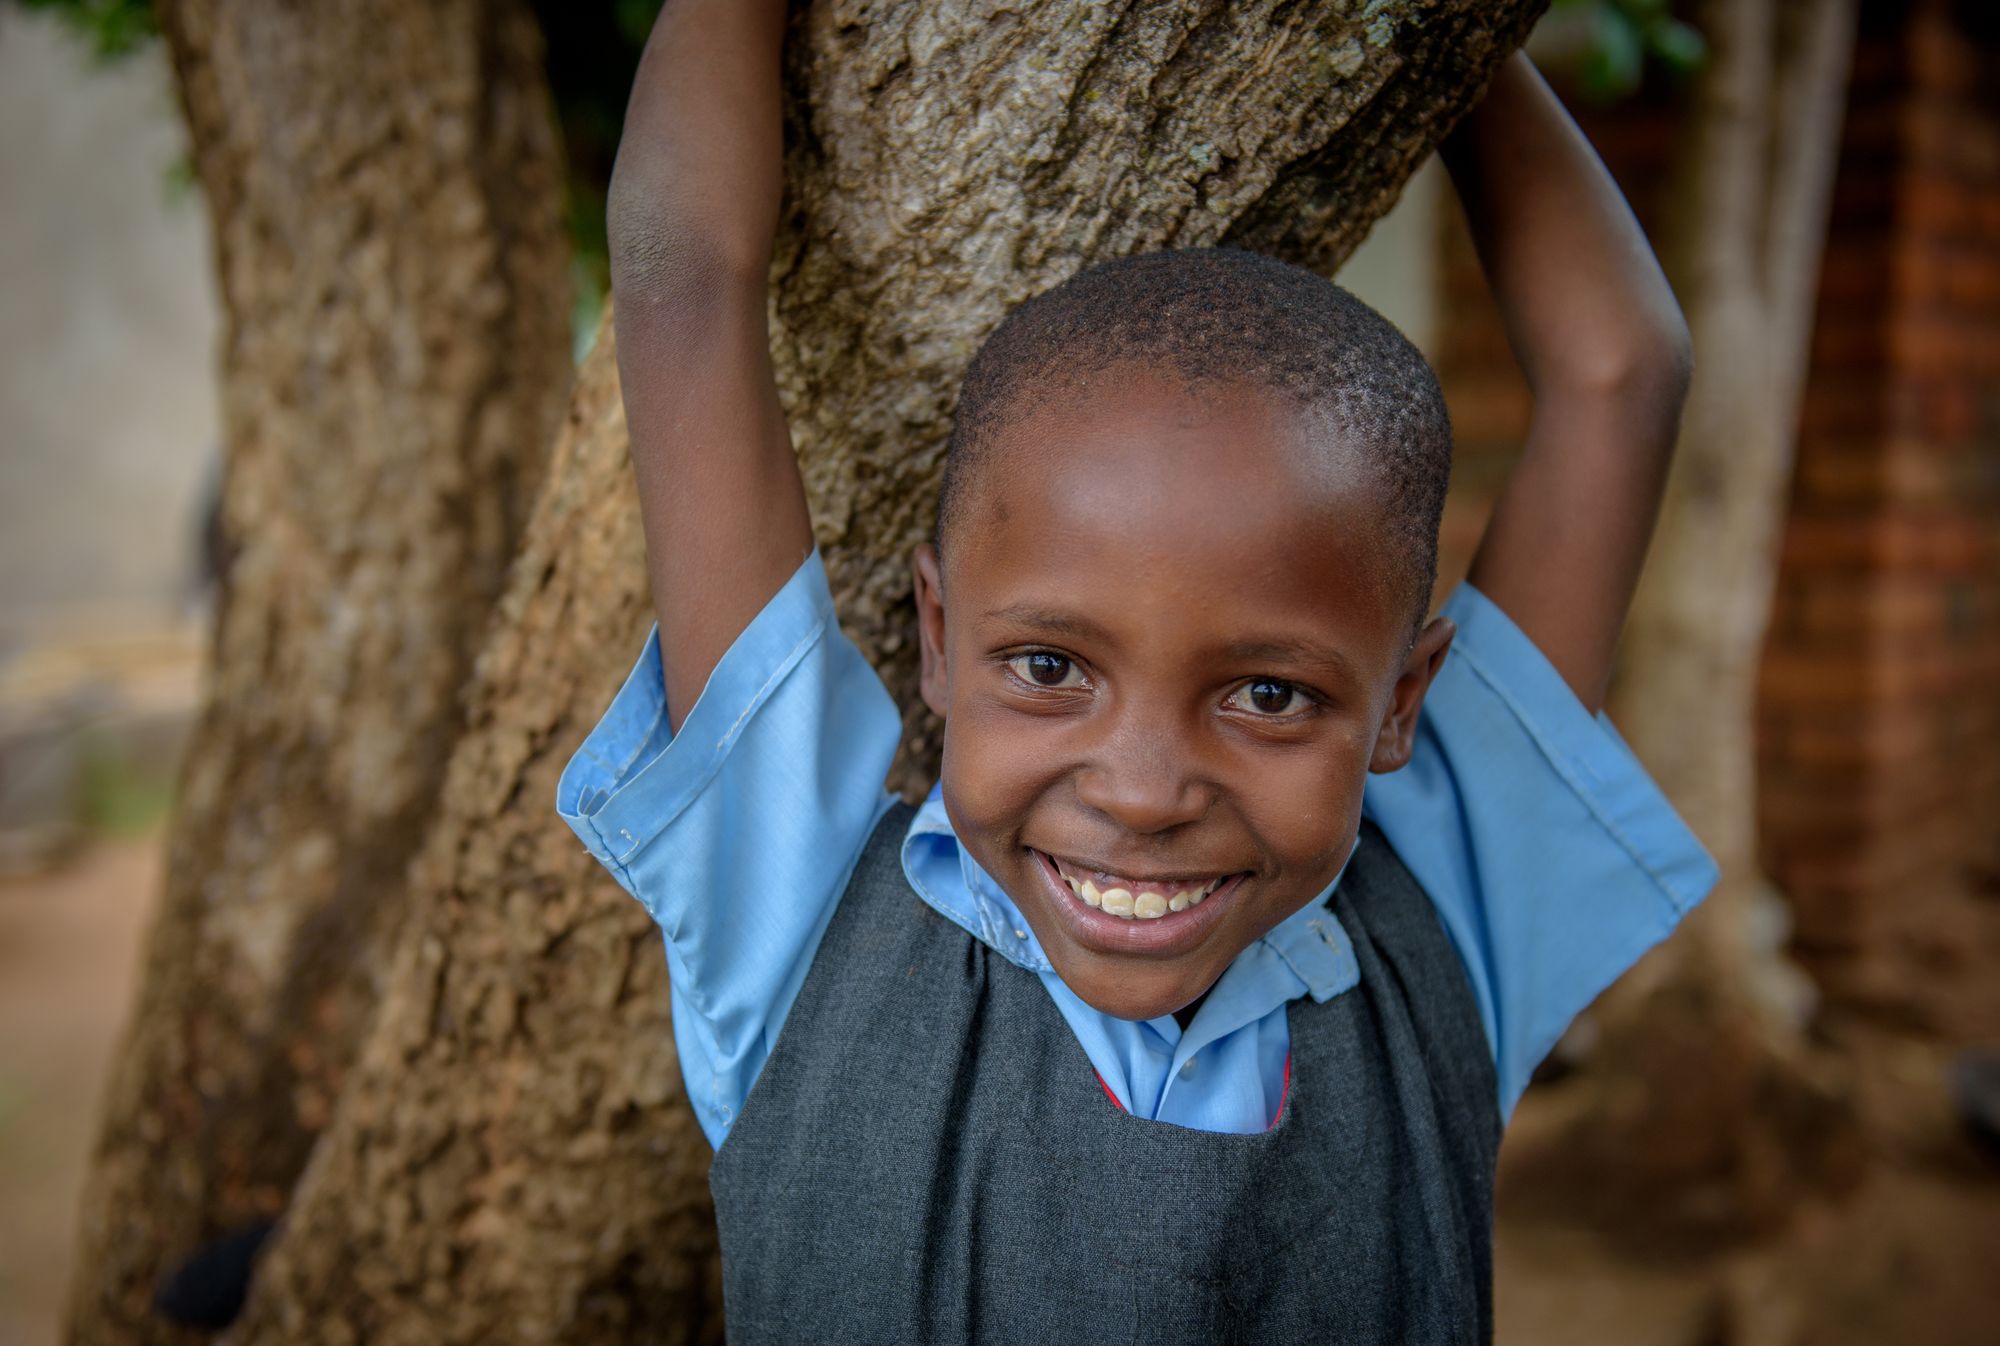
(1550, 856)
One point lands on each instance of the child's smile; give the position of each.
(1139, 897)
(1177, 640)
(1124, 914)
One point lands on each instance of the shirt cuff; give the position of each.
(633, 775)
(1584, 749)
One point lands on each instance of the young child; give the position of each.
(1190, 1004)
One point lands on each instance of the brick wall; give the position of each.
(1879, 719)
(1879, 715)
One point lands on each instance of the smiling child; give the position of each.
(1190, 1004)
(1189, 518)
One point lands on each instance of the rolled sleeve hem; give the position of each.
(1584, 750)
(631, 778)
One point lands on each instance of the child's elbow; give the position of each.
(1657, 387)
(1647, 370)
(663, 251)
(1673, 359)
(1648, 394)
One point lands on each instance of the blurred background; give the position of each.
(108, 457)
(1877, 798)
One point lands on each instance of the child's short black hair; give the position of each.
(1211, 315)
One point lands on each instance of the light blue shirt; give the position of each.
(1552, 859)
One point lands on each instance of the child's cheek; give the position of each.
(1307, 807)
(994, 771)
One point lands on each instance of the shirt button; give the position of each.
(1020, 934)
(1187, 1070)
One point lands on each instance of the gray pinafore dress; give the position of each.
(928, 1156)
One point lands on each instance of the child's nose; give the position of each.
(1143, 781)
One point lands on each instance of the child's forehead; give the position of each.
(1132, 440)
(1141, 483)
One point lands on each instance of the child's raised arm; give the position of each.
(1607, 357)
(693, 206)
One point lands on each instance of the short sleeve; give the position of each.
(739, 833)
(1553, 859)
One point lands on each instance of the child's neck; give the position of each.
(1185, 1014)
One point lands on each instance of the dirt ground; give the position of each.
(1911, 1256)
(69, 949)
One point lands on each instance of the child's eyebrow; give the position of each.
(1052, 621)
(1292, 650)
(1289, 650)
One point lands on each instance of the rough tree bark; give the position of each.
(384, 184)
(949, 163)
(512, 1157)
(1709, 1104)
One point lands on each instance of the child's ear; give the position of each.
(930, 625)
(1399, 725)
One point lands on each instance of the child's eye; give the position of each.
(1267, 696)
(1045, 669)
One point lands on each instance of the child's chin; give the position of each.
(1121, 1000)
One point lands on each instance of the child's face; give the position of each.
(1170, 641)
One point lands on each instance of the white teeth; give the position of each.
(1149, 905)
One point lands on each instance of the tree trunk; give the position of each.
(384, 184)
(945, 167)
(1711, 1110)
(512, 1158)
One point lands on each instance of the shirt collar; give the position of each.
(1310, 943)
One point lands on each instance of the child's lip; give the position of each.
(1168, 936)
(1070, 868)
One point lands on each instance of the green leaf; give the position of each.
(1678, 46)
(113, 28)
(1617, 55)
(635, 19)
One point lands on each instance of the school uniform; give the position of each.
(944, 1142)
